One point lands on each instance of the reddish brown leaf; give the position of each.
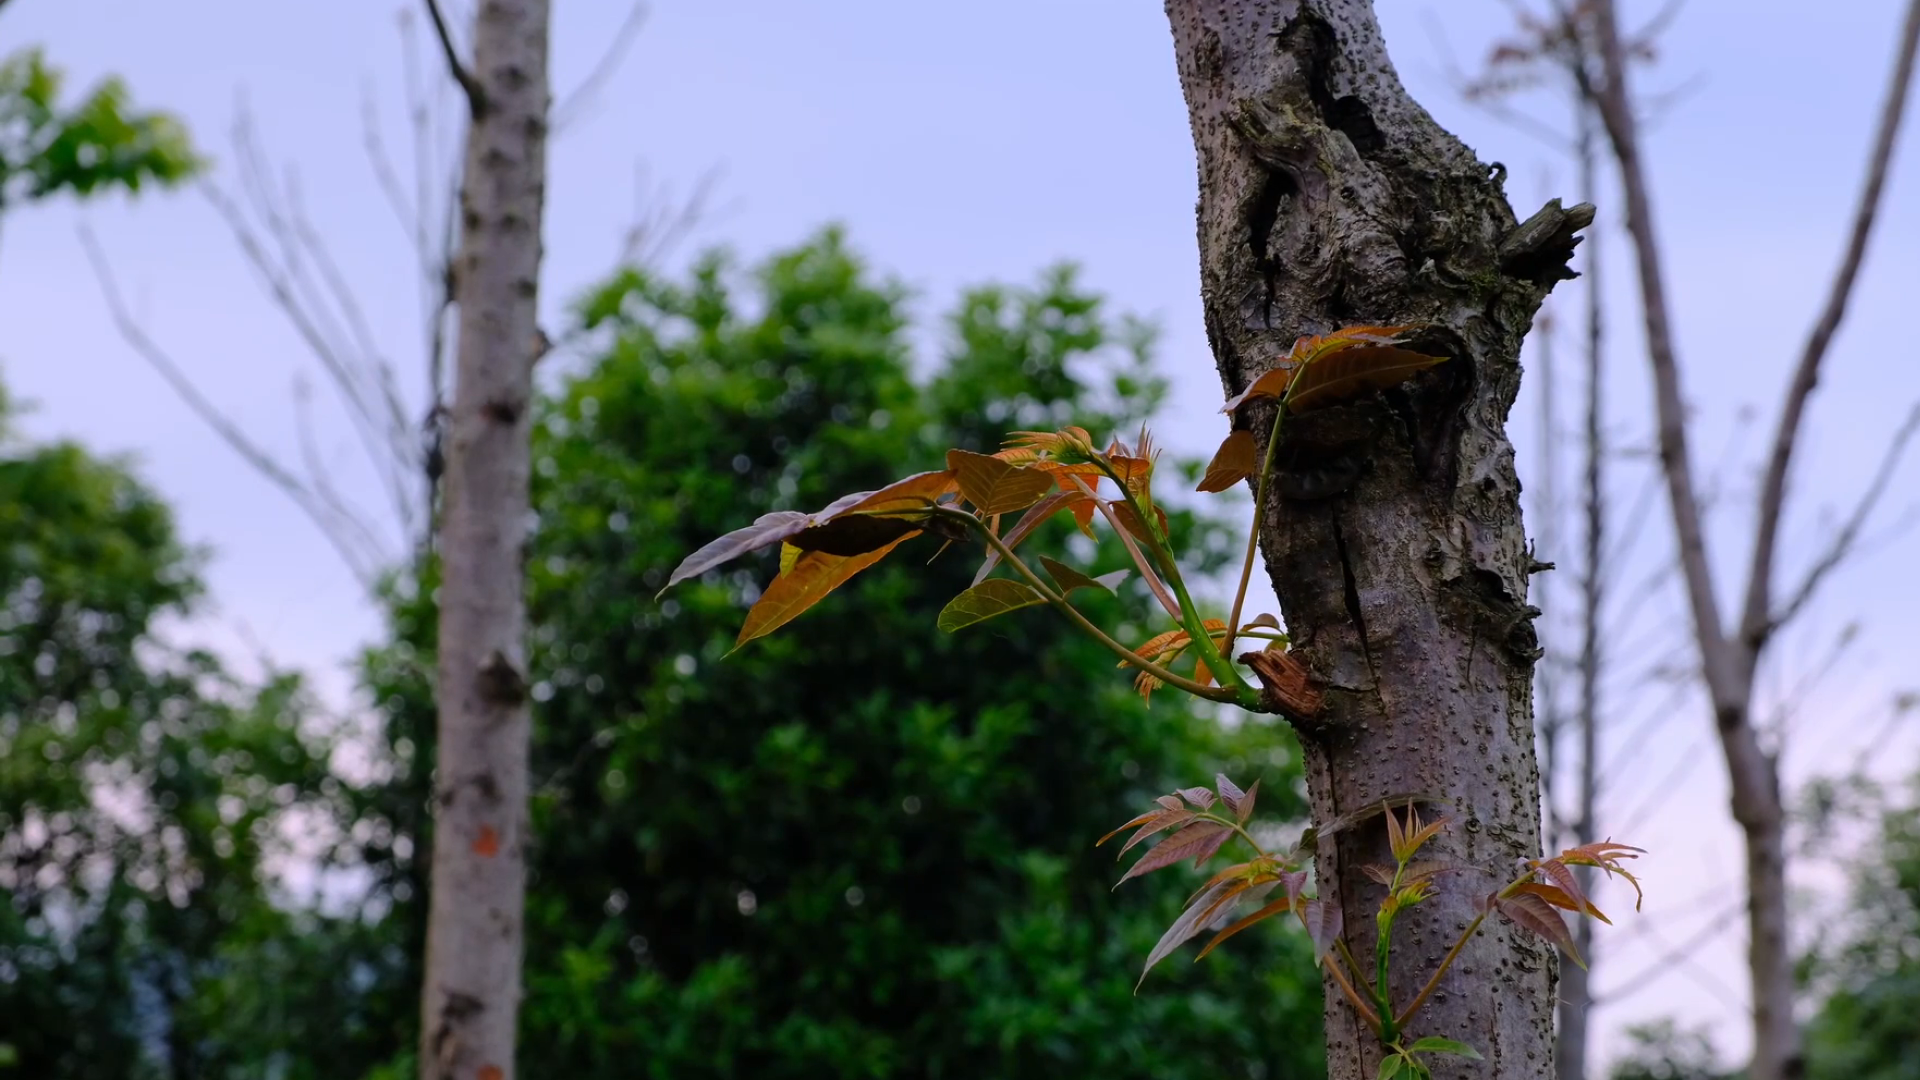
(859, 526)
(1559, 898)
(1141, 820)
(1171, 802)
(766, 530)
(1379, 873)
(1270, 385)
(487, 844)
(1353, 370)
(1606, 855)
(1534, 915)
(1244, 808)
(1268, 912)
(811, 578)
(1322, 920)
(491, 1072)
(1035, 516)
(1240, 802)
(1183, 930)
(1231, 464)
(995, 487)
(1396, 836)
(1200, 836)
(1197, 797)
(1165, 820)
(1568, 882)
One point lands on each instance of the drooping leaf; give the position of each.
(1559, 898)
(856, 525)
(1199, 837)
(1035, 516)
(995, 487)
(1183, 930)
(1433, 1044)
(1231, 464)
(1070, 579)
(766, 530)
(1131, 521)
(1536, 916)
(1352, 371)
(1267, 912)
(1269, 385)
(1562, 876)
(811, 578)
(1322, 919)
(1606, 855)
(994, 596)
(1261, 620)
(1164, 821)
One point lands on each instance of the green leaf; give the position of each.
(995, 487)
(1433, 1044)
(1392, 1067)
(1070, 579)
(995, 596)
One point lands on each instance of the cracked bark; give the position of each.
(471, 987)
(1328, 197)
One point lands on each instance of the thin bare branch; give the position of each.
(363, 563)
(1758, 618)
(1616, 111)
(578, 100)
(1670, 960)
(470, 86)
(1846, 540)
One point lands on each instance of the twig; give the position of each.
(616, 53)
(361, 564)
(1721, 922)
(1849, 534)
(470, 86)
(1757, 619)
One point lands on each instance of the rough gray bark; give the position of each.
(1328, 197)
(1730, 661)
(471, 993)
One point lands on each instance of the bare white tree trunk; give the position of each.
(471, 993)
(1328, 197)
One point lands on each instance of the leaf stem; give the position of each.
(1446, 962)
(1235, 826)
(1146, 568)
(1223, 670)
(1253, 530)
(1007, 556)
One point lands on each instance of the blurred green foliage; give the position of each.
(140, 787)
(860, 848)
(1866, 965)
(101, 142)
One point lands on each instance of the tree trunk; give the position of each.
(1576, 988)
(471, 992)
(1328, 198)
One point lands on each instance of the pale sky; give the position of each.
(967, 142)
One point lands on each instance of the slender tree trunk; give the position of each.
(1576, 988)
(1328, 198)
(1730, 655)
(471, 992)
